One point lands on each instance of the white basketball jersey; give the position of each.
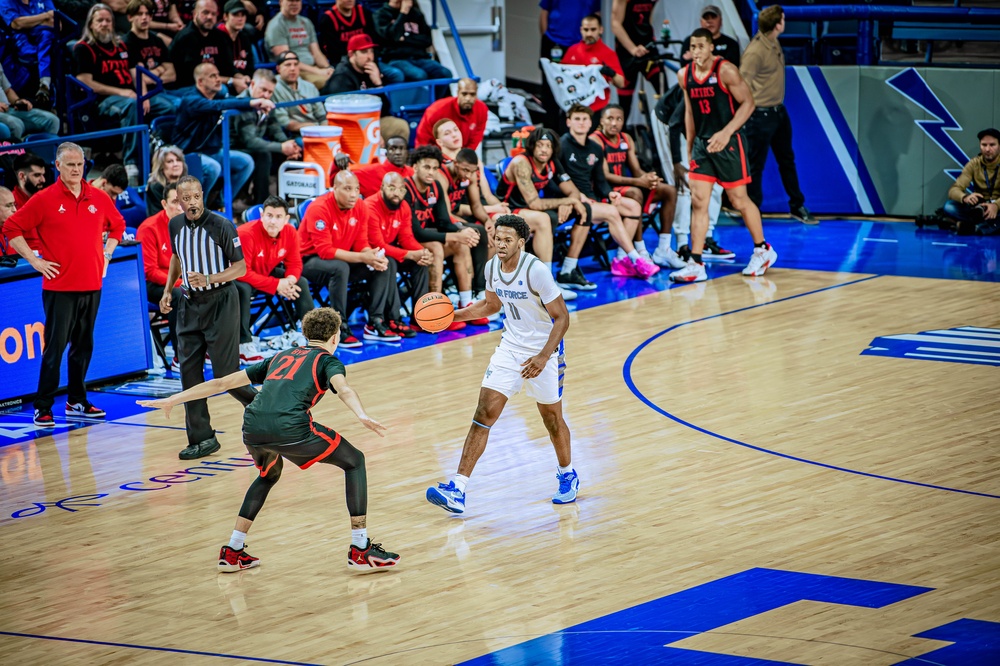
(524, 294)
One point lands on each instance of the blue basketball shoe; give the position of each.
(569, 485)
(447, 496)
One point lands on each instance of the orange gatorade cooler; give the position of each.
(320, 144)
(358, 116)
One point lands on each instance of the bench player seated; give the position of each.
(584, 162)
(448, 138)
(435, 229)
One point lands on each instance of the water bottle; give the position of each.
(665, 31)
(379, 254)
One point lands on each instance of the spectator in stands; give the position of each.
(113, 181)
(371, 176)
(584, 162)
(154, 235)
(19, 116)
(559, 22)
(359, 71)
(119, 18)
(274, 266)
(256, 15)
(149, 49)
(535, 172)
(770, 127)
(168, 167)
(32, 22)
(7, 208)
(29, 169)
(390, 228)
(234, 20)
(200, 42)
(981, 204)
(406, 38)
(290, 31)
(592, 51)
(166, 20)
(291, 87)
(259, 134)
(198, 123)
(72, 267)
(468, 112)
(336, 252)
(623, 172)
(101, 62)
(339, 24)
(434, 227)
(725, 46)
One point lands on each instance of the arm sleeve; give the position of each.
(957, 191)
(405, 239)
(442, 214)
(150, 250)
(425, 235)
(229, 241)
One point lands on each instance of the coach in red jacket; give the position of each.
(465, 109)
(390, 227)
(154, 234)
(274, 263)
(69, 217)
(335, 251)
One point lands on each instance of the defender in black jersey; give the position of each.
(717, 105)
(278, 426)
(630, 23)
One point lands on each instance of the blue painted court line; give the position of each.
(94, 422)
(157, 649)
(627, 374)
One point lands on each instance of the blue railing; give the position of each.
(90, 136)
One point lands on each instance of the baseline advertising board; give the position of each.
(121, 336)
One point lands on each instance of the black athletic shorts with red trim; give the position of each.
(727, 167)
(305, 453)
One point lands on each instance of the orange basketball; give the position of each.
(434, 312)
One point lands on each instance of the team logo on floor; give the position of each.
(965, 344)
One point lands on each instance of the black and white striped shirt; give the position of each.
(207, 246)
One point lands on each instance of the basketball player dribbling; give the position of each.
(278, 425)
(717, 105)
(530, 356)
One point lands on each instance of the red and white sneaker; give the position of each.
(348, 340)
(482, 321)
(762, 259)
(236, 560)
(84, 409)
(692, 272)
(372, 556)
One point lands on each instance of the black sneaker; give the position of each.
(575, 279)
(684, 252)
(44, 418)
(348, 340)
(803, 215)
(713, 251)
(377, 330)
(201, 449)
(401, 329)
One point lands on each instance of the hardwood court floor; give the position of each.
(673, 496)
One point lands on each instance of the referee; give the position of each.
(208, 258)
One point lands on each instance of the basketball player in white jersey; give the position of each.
(530, 356)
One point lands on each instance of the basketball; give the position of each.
(434, 312)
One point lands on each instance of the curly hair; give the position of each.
(541, 133)
(515, 222)
(321, 324)
(426, 153)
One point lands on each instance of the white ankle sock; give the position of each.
(359, 538)
(569, 263)
(664, 243)
(633, 255)
(640, 246)
(621, 253)
(564, 470)
(461, 482)
(237, 540)
(464, 298)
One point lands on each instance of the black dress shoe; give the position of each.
(201, 449)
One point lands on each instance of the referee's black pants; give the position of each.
(339, 274)
(69, 319)
(208, 321)
(770, 128)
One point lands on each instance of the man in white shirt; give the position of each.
(530, 356)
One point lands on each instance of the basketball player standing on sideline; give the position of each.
(630, 24)
(208, 258)
(530, 354)
(713, 88)
(278, 424)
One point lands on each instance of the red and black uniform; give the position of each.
(154, 235)
(639, 29)
(458, 194)
(269, 260)
(70, 231)
(458, 191)
(327, 229)
(615, 152)
(546, 183)
(431, 212)
(713, 107)
(335, 30)
(108, 64)
(392, 230)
